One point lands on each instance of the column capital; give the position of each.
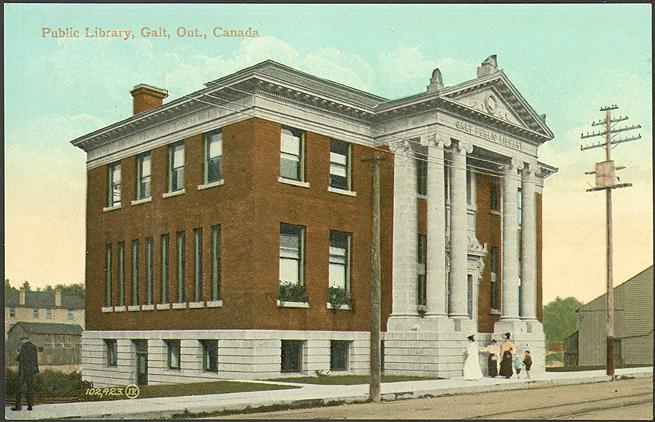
(400, 146)
(463, 147)
(513, 165)
(439, 140)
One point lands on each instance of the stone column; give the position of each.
(458, 292)
(528, 244)
(510, 251)
(436, 261)
(405, 231)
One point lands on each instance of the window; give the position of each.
(70, 313)
(149, 271)
(494, 277)
(180, 267)
(135, 272)
(421, 259)
(446, 182)
(339, 355)
(35, 312)
(48, 313)
(164, 268)
(339, 260)
(173, 353)
(340, 164)
(108, 275)
(112, 352)
(12, 312)
(216, 262)
(291, 254)
(291, 154)
(470, 187)
(143, 167)
(469, 287)
(176, 166)
(114, 191)
(519, 205)
(121, 274)
(495, 194)
(213, 156)
(197, 264)
(421, 176)
(209, 355)
(291, 356)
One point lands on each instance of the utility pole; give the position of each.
(606, 180)
(375, 358)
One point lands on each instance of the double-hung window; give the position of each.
(216, 263)
(180, 266)
(149, 271)
(197, 261)
(421, 176)
(495, 264)
(112, 352)
(340, 164)
(422, 258)
(164, 268)
(135, 272)
(213, 156)
(292, 147)
(114, 185)
(108, 280)
(70, 313)
(143, 169)
(339, 260)
(121, 274)
(173, 353)
(176, 166)
(291, 254)
(209, 355)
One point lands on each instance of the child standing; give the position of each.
(527, 361)
(517, 364)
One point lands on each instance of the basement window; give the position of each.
(339, 355)
(291, 355)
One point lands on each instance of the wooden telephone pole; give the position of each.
(375, 355)
(606, 180)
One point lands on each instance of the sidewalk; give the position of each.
(167, 406)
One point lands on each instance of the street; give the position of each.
(624, 399)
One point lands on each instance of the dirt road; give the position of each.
(625, 399)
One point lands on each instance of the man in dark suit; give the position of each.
(28, 365)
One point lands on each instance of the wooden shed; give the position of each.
(57, 344)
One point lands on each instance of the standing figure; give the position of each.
(518, 365)
(472, 369)
(507, 350)
(28, 365)
(527, 361)
(492, 360)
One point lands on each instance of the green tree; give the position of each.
(560, 319)
(8, 286)
(76, 289)
(26, 285)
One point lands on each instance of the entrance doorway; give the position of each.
(141, 347)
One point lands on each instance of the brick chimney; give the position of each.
(57, 297)
(146, 97)
(22, 295)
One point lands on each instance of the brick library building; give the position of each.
(229, 231)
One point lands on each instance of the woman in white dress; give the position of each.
(472, 369)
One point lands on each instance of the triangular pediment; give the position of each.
(495, 96)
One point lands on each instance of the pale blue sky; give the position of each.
(567, 60)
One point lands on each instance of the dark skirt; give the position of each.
(506, 365)
(492, 365)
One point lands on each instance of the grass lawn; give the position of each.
(589, 368)
(557, 356)
(350, 379)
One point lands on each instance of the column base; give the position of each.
(403, 322)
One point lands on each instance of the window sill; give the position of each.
(344, 307)
(284, 304)
(114, 208)
(179, 306)
(211, 185)
(494, 212)
(293, 182)
(134, 308)
(163, 306)
(107, 309)
(171, 194)
(147, 307)
(494, 312)
(215, 304)
(196, 305)
(141, 201)
(342, 191)
(119, 308)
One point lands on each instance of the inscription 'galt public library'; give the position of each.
(229, 230)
